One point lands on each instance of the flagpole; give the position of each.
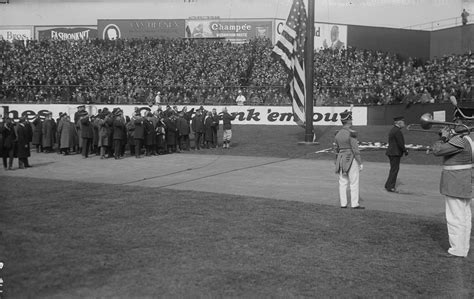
(309, 65)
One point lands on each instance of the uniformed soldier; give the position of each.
(348, 161)
(456, 186)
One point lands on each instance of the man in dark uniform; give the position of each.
(396, 148)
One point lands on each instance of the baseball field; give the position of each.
(260, 220)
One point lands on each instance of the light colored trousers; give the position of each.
(458, 218)
(351, 180)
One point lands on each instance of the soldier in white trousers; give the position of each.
(456, 186)
(348, 161)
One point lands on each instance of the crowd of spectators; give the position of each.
(199, 72)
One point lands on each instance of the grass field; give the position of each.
(63, 239)
(281, 141)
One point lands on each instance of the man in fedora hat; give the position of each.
(395, 150)
(86, 133)
(348, 161)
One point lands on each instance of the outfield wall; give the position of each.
(245, 115)
(261, 115)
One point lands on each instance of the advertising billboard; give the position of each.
(236, 31)
(244, 115)
(150, 28)
(326, 35)
(16, 33)
(66, 32)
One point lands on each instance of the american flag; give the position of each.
(289, 49)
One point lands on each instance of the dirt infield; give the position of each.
(311, 181)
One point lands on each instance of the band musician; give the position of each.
(348, 161)
(457, 151)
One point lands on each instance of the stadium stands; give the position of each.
(211, 72)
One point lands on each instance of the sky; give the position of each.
(383, 13)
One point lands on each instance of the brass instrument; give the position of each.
(427, 124)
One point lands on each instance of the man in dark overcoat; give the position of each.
(197, 126)
(8, 139)
(150, 134)
(396, 148)
(215, 127)
(183, 132)
(208, 130)
(23, 143)
(87, 133)
(138, 134)
(171, 132)
(37, 134)
(118, 135)
(49, 133)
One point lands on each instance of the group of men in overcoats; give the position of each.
(108, 133)
(15, 139)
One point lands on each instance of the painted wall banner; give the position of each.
(332, 36)
(15, 34)
(150, 28)
(245, 115)
(233, 30)
(66, 32)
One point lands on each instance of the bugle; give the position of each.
(418, 128)
(427, 123)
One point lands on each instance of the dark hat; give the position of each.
(81, 106)
(346, 115)
(117, 111)
(83, 113)
(398, 118)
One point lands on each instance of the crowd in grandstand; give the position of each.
(211, 72)
(110, 134)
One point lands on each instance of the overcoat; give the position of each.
(23, 141)
(37, 131)
(208, 124)
(48, 133)
(171, 131)
(139, 132)
(396, 142)
(149, 132)
(67, 131)
(86, 128)
(119, 130)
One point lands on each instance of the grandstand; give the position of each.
(77, 64)
(188, 72)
